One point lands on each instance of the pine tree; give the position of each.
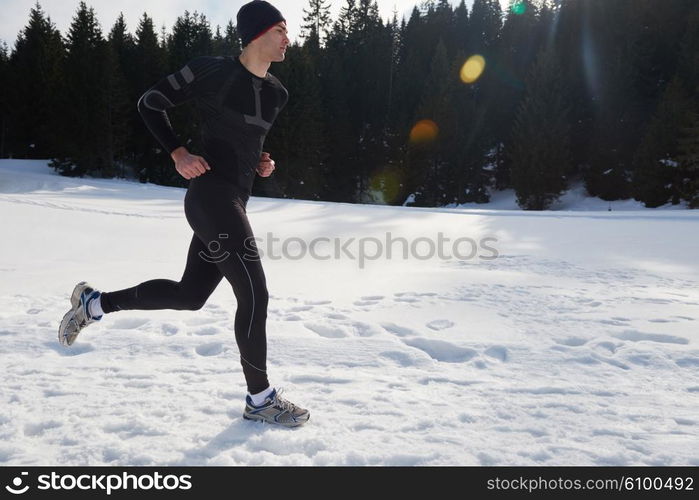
(473, 156)
(461, 28)
(688, 158)
(620, 102)
(4, 102)
(485, 24)
(86, 123)
(121, 40)
(149, 67)
(414, 58)
(217, 42)
(395, 35)
(688, 63)
(508, 64)
(191, 37)
(336, 123)
(657, 176)
(573, 36)
(316, 23)
(539, 152)
(120, 95)
(371, 46)
(359, 45)
(482, 129)
(226, 43)
(429, 163)
(232, 39)
(441, 20)
(297, 139)
(150, 57)
(34, 89)
(688, 138)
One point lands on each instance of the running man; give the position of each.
(238, 100)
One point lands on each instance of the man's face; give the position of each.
(274, 42)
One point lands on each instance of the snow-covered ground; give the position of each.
(577, 345)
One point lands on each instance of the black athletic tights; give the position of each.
(216, 214)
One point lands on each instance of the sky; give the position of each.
(15, 13)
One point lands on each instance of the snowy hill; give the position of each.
(576, 345)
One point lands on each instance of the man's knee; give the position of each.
(257, 298)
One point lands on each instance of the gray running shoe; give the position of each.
(79, 316)
(276, 410)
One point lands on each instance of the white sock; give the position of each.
(95, 307)
(259, 398)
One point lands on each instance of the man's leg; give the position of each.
(220, 222)
(226, 229)
(199, 280)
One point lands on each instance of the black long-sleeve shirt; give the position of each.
(237, 109)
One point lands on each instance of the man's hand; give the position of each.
(188, 165)
(266, 165)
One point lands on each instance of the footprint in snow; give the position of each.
(684, 317)
(441, 351)
(292, 317)
(335, 316)
(365, 302)
(169, 329)
(440, 324)
(402, 358)
(300, 308)
(572, 341)
(325, 330)
(406, 299)
(211, 349)
(498, 352)
(364, 329)
(207, 330)
(401, 331)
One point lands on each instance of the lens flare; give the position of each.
(424, 131)
(385, 184)
(519, 7)
(472, 69)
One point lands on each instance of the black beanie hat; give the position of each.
(255, 18)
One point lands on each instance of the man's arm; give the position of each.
(173, 90)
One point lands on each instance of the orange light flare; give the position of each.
(424, 131)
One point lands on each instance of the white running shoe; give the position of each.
(276, 410)
(79, 315)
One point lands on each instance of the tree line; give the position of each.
(440, 108)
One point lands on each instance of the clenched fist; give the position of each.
(188, 165)
(266, 165)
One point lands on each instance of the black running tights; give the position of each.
(220, 248)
